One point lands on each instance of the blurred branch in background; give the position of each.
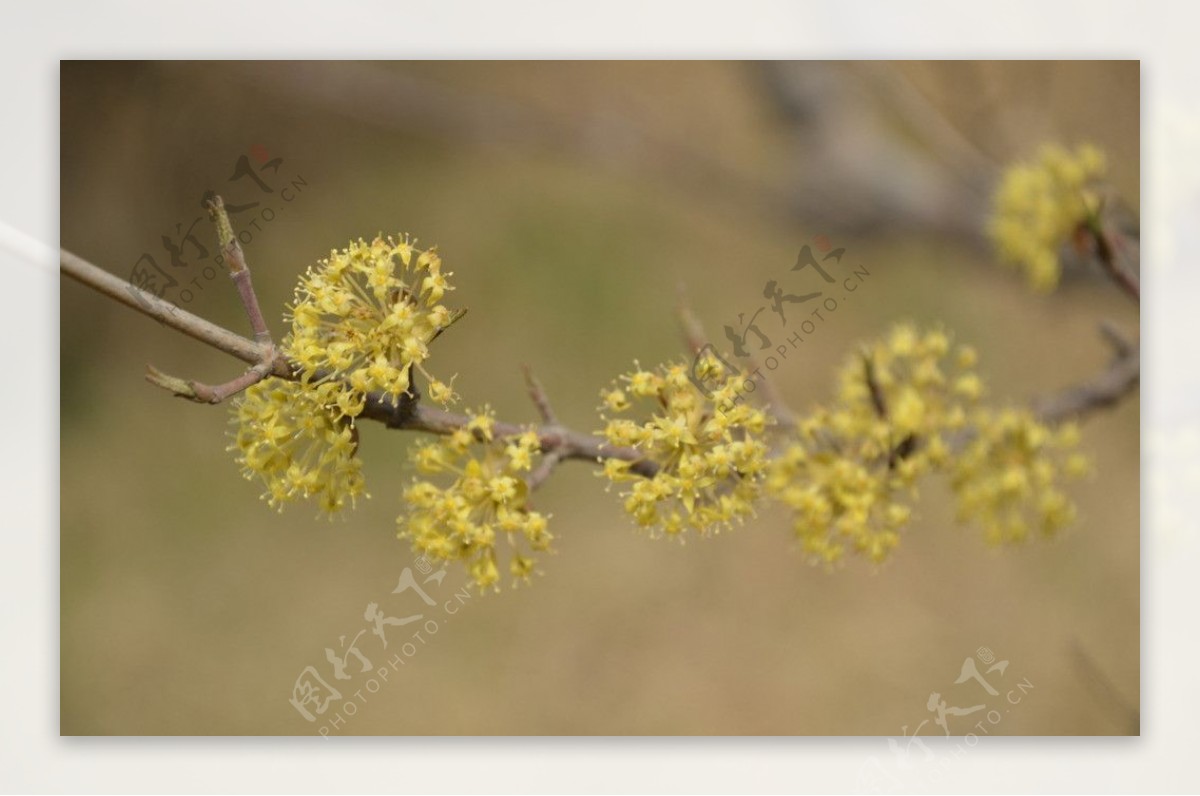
(403, 102)
(849, 171)
(1125, 715)
(868, 152)
(1100, 392)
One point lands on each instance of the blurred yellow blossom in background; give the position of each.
(1040, 205)
(907, 406)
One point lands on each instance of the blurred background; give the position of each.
(569, 200)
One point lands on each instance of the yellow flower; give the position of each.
(844, 495)
(1007, 476)
(1038, 206)
(298, 440)
(441, 392)
(710, 458)
(366, 316)
(521, 451)
(483, 498)
(910, 384)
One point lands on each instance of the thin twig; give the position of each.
(697, 341)
(1102, 391)
(549, 461)
(559, 445)
(1127, 715)
(693, 330)
(538, 395)
(1122, 346)
(208, 393)
(235, 260)
(878, 402)
(1106, 254)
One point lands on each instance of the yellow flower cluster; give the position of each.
(1007, 476)
(852, 467)
(363, 318)
(842, 498)
(709, 449)
(1040, 205)
(486, 498)
(295, 438)
(366, 316)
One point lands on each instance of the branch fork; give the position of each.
(239, 272)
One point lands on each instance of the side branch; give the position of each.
(1102, 391)
(1106, 244)
(563, 442)
(239, 272)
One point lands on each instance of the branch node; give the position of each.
(402, 414)
(234, 259)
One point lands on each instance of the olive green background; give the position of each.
(562, 203)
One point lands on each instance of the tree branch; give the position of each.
(1106, 253)
(555, 454)
(167, 313)
(538, 395)
(1102, 391)
(408, 415)
(235, 260)
(557, 442)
